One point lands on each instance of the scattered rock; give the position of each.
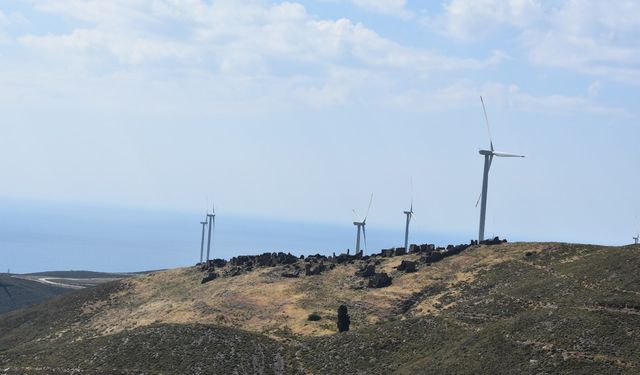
(380, 280)
(368, 271)
(400, 251)
(209, 277)
(495, 241)
(407, 266)
(387, 253)
(310, 270)
(291, 274)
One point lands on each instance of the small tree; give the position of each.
(343, 319)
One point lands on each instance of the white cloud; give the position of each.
(460, 94)
(395, 8)
(233, 35)
(596, 37)
(473, 19)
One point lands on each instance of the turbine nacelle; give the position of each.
(499, 154)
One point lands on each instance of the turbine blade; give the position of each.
(507, 155)
(368, 208)
(356, 215)
(364, 235)
(478, 201)
(486, 119)
(411, 182)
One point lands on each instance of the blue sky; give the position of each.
(297, 111)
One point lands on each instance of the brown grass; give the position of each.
(262, 301)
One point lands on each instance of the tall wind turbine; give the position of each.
(488, 158)
(212, 223)
(204, 224)
(410, 215)
(360, 227)
(636, 239)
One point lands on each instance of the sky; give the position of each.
(295, 112)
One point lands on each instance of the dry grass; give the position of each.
(262, 301)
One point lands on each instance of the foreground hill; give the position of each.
(510, 308)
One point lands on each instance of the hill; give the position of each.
(16, 293)
(509, 308)
(22, 290)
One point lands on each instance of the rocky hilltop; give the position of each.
(500, 308)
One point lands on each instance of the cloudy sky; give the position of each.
(299, 110)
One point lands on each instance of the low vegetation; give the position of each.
(510, 308)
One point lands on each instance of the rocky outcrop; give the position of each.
(209, 277)
(380, 280)
(291, 273)
(263, 260)
(441, 253)
(407, 266)
(310, 270)
(367, 271)
(495, 241)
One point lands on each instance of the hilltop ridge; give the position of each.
(523, 307)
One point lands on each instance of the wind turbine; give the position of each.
(488, 158)
(410, 215)
(204, 224)
(212, 223)
(636, 238)
(360, 226)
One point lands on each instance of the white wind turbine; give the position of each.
(488, 158)
(360, 225)
(204, 224)
(212, 224)
(410, 215)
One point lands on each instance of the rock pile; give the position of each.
(495, 241)
(210, 276)
(367, 271)
(407, 266)
(379, 280)
(263, 260)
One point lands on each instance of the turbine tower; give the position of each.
(410, 215)
(360, 225)
(212, 223)
(204, 224)
(636, 239)
(488, 158)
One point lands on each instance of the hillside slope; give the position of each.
(16, 293)
(511, 308)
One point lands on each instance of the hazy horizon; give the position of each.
(295, 112)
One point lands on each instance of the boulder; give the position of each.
(367, 271)
(495, 241)
(380, 280)
(387, 253)
(413, 248)
(310, 270)
(209, 277)
(407, 266)
(400, 251)
(291, 274)
(218, 262)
